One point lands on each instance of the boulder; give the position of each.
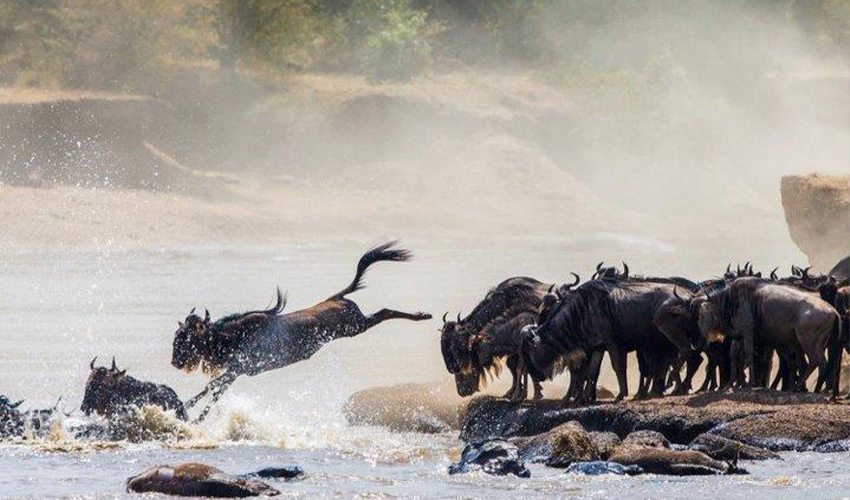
(817, 210)
(196, 480)
(286, 473)
(721, 448)
(800, 428)
(495, 457)
(671, 462)
(571, 443)
(605, 442)
(429, 408)
(600, 467)
(651, 439)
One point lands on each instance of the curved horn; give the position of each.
(458, 317)
(444, 317)
(91, 365)
(625, 269)
(206, 316)
(805, 272)
(773, 274)
(550, 288)
(676, 293)
(729, 268)
(599, 266)
(113, 363)
(15, 405)
(578, 279)
(192, 311)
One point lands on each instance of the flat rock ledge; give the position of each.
(764, 419)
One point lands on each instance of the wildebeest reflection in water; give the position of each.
(254, 342)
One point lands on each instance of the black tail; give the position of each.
(377, 254)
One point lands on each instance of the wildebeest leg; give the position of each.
(694, 362)
(817, 359)
(385, 314)
(574, 391)
(217, 386)
(538, 389)
(643, 380)
(512, 366)
(618, 364)
(594, 364)
(734, 365)
(521, 387)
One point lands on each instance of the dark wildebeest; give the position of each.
(11, 418)
(509, 299)
(603, 315)
(258, 341)
(111, 392)
(780, 317)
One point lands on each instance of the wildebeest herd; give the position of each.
(737, 323)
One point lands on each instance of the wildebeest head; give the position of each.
(679, 315)
(454, 344)
(101, 387)
(190, 340)
(553, 297)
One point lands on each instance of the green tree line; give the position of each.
(125, 44)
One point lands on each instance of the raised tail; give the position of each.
(376, 254)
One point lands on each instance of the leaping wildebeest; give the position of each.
(254, 342)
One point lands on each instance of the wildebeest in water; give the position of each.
(254, 342)
(111, 392)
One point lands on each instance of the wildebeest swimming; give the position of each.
(111, 392)
(254, 342)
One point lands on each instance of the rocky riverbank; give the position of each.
(762, 419)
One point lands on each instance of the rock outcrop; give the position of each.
(765, 419)
(817, 210)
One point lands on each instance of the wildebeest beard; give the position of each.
(502, 303)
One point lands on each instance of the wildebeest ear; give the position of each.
(122, 373)
(180, 324)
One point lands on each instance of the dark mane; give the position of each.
(738, 293)
(575, 310)
(685, 283)
(509, 298)
(221, 323)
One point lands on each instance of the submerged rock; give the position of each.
(196, 480)
(286, 473)
(721, 448)
(599, 467)
(671, 462)
(496, 457)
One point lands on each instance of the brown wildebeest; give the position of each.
(111, 392)
(782, 317)
(258, 341)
